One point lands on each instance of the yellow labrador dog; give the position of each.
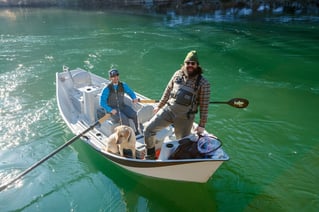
(122, 138)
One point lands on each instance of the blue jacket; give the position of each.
(106, 93)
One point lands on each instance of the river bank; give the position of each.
(182, 7)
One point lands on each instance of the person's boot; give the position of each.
(150, 154)
(137, 133)
(141, 128)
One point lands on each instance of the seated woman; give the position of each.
(112, 100)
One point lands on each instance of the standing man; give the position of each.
(185, 92)
(112, 100)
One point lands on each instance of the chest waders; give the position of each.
(183, 101)
(118, 107)
(179, 110)
(114, 97)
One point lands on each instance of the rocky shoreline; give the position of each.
(181, 7)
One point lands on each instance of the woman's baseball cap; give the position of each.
(113, 73)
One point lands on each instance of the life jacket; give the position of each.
(116, 97)
(183, 99)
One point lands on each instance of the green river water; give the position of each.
(273, 144)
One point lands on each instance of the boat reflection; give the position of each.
(142, 193)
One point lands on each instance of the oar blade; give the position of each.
(238, 102)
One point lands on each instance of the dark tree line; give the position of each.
(178, 6)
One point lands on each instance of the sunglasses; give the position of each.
(190, 63)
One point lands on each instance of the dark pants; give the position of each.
(126, 113)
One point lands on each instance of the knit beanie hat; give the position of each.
(192, 56)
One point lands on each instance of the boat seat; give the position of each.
(108, 126)
(81, 79)
(145, 113)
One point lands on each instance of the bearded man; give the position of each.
(185, 92)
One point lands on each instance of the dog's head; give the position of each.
(123, 133)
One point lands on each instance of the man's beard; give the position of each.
(191, 73)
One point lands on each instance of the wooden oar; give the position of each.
(100, 121)
(235, 102)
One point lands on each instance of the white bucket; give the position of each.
(167, 149)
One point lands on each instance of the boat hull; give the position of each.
(201, 170)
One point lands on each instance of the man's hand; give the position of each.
(156, 109)
(200, 129)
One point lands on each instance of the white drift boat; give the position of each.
(78, 93)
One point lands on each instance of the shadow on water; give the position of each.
(155, 193)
